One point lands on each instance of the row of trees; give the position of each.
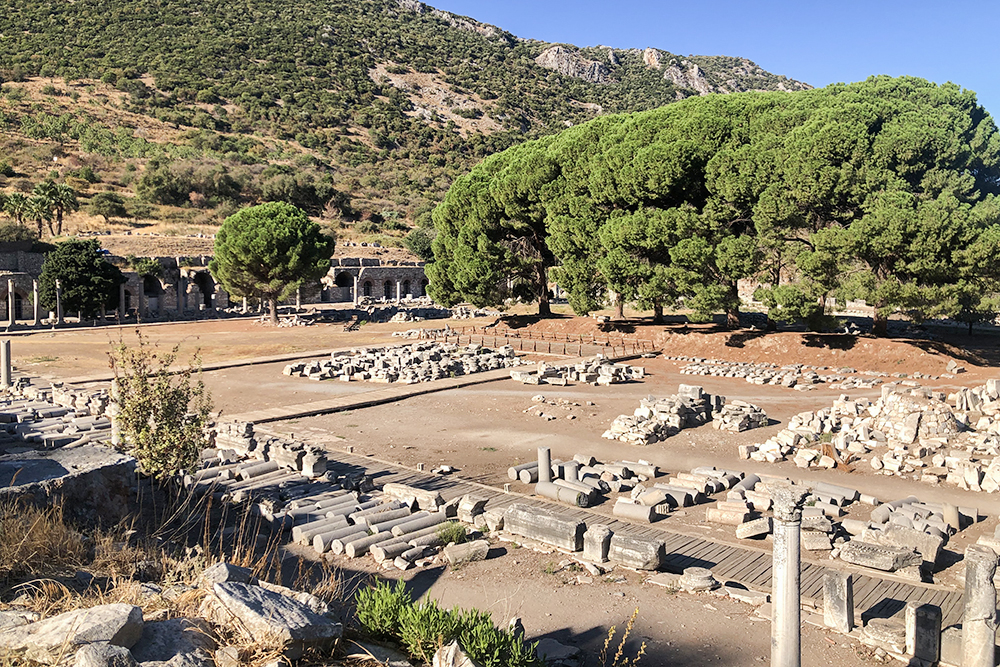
(883, 190)
(48, 203)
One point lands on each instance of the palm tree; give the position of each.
(39, 209)
(62, 198)
(16, 206)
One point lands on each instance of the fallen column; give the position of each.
(562, 494)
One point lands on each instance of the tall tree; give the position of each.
(39, 210)
(16, 205)
(267, 251)
(88, 281)
(61, 197)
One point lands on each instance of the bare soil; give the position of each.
(483, 429)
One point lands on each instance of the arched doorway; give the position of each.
(152, 291)
(406, 289)
(203, 281)
(368, 288)
(423, 287)
(128, 301)
(18, 306)
(387, 290)
(345, 279)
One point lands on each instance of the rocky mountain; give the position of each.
(361, 109)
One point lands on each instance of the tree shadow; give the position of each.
(837, 341)
(741, 338)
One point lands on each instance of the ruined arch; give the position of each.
(344, 279)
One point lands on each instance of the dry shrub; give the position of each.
(36, 541)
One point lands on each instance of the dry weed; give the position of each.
(36, 541)
(619, 659)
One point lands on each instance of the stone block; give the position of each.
(885, 558)
(467, 552)
(813, 541)
(637, 552)
(544, 525)
(726, 517)
(597, 543)
(928, 546)
(49, 640)
(838, 601)
(923, 631)
(755, 528)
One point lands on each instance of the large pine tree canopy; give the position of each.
(883, 190)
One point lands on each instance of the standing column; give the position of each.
(182, 294)
(355, 290)
(122, 313)
(244, 305)
(399, 289)
(37, 303)
(113, 411)
(59, 310)
(544, 465)
(10, 302)
(979, 626)
(786, 612)
(5, 363)
(298, 298)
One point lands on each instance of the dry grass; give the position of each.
(37, 541)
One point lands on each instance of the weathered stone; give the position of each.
(637, 552)
(755, 528)
(467, 552)
(452, 655)
(838, 601)
(885, 558)
(544, 525)
(979, 625)
(225, 572)
(696, 579)
(597, 543)
(14, 618)
(928, 546)
(886, 633)
(263, 615)
(727, 517)
(553, 652)
(103, 655)
(182, 642)
(46, 641)
(426, 500)
(813, 541)
(923, 631)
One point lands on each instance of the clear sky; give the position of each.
(815, 41)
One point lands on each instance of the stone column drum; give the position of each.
(979, 626)
(5, 370)
(544, 465)
(59, 308)
(786, 613)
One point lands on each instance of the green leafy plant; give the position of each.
(163, 412)
(380, 608)
(425, 627)
(452, 531)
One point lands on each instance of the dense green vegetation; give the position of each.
(281, 101)
(88, 282)
(884, 190)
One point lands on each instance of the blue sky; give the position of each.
(813, 41)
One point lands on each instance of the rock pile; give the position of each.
(406, 364)
(658, 419)
(794, 376)
(597, 372)
(739, 416)
(920, 433)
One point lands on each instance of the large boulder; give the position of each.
(49, 640)
(103, 655)
(265, 616)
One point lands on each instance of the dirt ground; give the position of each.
(483, 429)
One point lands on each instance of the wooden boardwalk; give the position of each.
(875, 596)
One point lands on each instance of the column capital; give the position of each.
(788, 500)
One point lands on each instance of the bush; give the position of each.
(11, 232)
(380, 608)
(451, 532)
(388, 612)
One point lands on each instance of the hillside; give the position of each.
(362, 112)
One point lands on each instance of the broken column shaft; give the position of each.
(979, 624)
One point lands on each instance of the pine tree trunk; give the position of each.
(619, 308)
(880, 324)
(272, 305)
(544, 310)
(59, 216)
(657, 313)
(733, 312)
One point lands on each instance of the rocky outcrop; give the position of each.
(571, 63)
(716, 74)
(455, 21)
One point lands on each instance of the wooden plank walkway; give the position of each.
(874, 595)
